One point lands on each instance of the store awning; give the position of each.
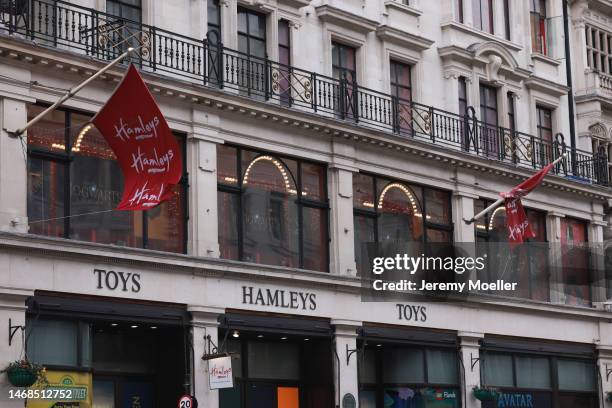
(294, 325)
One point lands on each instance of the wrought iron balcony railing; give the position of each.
(63, 25)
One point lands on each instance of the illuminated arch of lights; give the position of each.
(281, 168)
(498, 209)
(405, 190)
(77, 144)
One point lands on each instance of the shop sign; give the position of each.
(220, 373)
(285, 299)
(520, 400)
(74, 387)
(413, 313)
(113, 280)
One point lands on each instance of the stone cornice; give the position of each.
(320, 126)
(403, 38)
(546, 86)
(338, 16)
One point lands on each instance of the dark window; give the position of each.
(599, 49)
(507, 19)
(401, 88)
(545, 135)
(344, 69)
(284, 58)
(463, 102)
(74, 183)
(489, 136)
(251, 32)
(127, 9)
(511, 112)
(538, 27)
(214, 18)
(459, 10)
(391, 375)
(540, 380)
(527, 264)
(482, 13)
(575, 261)
(387, 211)
(272, 210)
(129, 14)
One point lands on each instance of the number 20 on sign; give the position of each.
(185, 402)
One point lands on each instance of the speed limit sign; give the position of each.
(186, 401)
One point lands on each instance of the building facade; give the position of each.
(308, 129)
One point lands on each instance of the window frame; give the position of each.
(301, 202)
(539, 39)
(213, 26)
(249, 37)
(490, 16)
(599, 56)
(66, 157)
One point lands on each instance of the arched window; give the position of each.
(400, 215)
(272, 209)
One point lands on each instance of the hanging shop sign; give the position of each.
(284, 299)
(65, 389)
(220, 373)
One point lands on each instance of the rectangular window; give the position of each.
(284, 59)
(459, 10)
(214, 18)
(538, 27)
(249, 66)
(387, 211)
(599, 49)
(543, 151)
(129, 12)
(507, 19)
(272, 210)
(489, 128)
(482, 14)
(344, 69)
(401, 90)
(575, 261)
(74, 183)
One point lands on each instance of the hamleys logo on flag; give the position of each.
(140, 137)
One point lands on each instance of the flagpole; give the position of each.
(501, 199)
(70, 93)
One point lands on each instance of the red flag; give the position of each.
(516, 219)
(140, 137)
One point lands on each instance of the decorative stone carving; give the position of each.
(493, 67)
(598, 130)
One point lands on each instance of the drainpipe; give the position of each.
(570, 92)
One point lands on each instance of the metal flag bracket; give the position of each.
(13, 330)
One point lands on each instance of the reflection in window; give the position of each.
(272, 210)
(538, 26)
(387, 211)
(74, 183)
(575, 261)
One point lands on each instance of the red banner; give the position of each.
(146, 149)
(516, 219)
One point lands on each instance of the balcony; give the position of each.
(98, 35)
(598, 84)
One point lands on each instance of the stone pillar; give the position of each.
(13, 167)
(346, 380)
(467, 13)
(553, 230)
(604, 365)
(229, 23)
(470, 357)
(597, 266)
(204, 322)
(342, 231)
(202, 164)
(12, 306)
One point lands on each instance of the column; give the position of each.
(553, 230)
(199, 18)
(229, 23)
(13, 167)
(12, 306)
(468, 16)
(470, 357)
(342, 233)
(204, 322)
(202, 164)
(346, 380)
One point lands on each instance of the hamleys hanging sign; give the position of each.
(140, 137)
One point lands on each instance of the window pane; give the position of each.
(438, 206)
(227, 169)
(96, 186)
(367, 367)
(313, 181)
(363, 191)
(283, 32)
(367, 399)
(257, 25)
(533, 372)
(213, 12)
(577, 401)
(401, 365)
(46, 180)
(229, 397)
(575, 375)
(257, 49)
(166, 224)
(274, 361)
(270, 214)
(49, 133)
(228, 209)
(498, 370)
(104, 393)
(315, 238)
(434, 235)
(364, 234)
(53, 342)
(400, 219)
(442, 367)
(242, 21)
